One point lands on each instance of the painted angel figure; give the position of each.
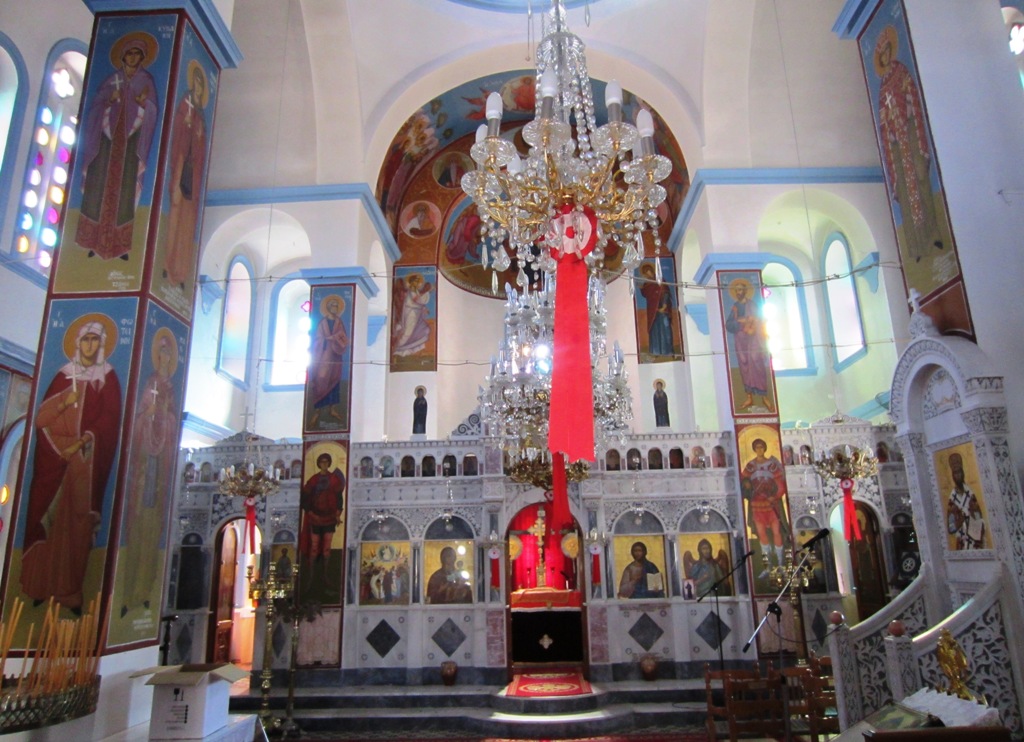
(706, 569)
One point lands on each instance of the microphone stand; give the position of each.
(718, 623)
(774, 608)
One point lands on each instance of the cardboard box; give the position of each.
(189, 701)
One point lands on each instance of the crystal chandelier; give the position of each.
(611, 171)
(514, 407)
(250, 480)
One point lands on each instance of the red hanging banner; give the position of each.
(250, 520)
(852, 525)
(571, 237)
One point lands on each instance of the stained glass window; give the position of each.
(41, 208)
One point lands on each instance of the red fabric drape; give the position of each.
(524, 569)
(852, 525)
(595, 569)
(571, 412)
(495, 572)
(250, 522)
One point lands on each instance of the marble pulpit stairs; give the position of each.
(610, 707)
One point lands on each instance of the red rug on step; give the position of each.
(548, 684)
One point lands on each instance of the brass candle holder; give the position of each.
(265, 590)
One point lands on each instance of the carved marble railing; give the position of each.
(873, 667)
(858, 654)
(980, 628)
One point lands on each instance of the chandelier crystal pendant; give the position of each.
(515, 405)
(611, 170)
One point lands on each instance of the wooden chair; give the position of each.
(754, 707)
(822, 713)
(714, 688)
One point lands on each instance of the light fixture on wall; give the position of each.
(705, 511)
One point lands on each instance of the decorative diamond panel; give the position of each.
(711, 628)
(819, 626)
(449, 637)
(646, 632)
(383, 638)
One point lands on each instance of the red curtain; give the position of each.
(559, 569)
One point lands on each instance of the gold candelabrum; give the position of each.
(265, 590)
(797, 577)
(534, 468)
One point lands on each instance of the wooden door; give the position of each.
(222, 603)
(869, 580)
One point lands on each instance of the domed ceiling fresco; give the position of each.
(419, 190)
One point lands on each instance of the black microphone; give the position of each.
(817, 537)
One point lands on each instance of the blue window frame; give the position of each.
(842, 306)
(288, 341)
(785, 312)
(236, 322)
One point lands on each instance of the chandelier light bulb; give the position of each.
(645, 123)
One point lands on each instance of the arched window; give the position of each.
(55, 132)
(289, 333)
(236, 322)
(841, 303)
(654, 459)
(785, 314)
(429, 466)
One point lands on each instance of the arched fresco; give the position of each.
(435, 222)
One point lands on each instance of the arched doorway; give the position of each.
(232, 616)
(860, 563)
(546, 618)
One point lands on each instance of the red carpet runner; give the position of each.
(548, 684)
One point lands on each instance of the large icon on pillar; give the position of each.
(765, 502)
(658, 333)
(329, 381)
(64, 512)
(116, 160)
(322, 503)
(751, 380)
(916, 195)
(181, 203)
(152, 457)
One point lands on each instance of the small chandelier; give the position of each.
(847, 466)
(609, 171)
(248, 480)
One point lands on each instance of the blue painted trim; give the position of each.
(18, 358)
(329, 276)
(293, 194)
(699, 314)
(12, 443)
(14, 132)
(268, 387)
(24, 267)
(854, 17)
(240, 383)
(872, 408)
(205, 427)
(810, 367)
(747, 261)
(210, 292)
(857, 355)
(868, 270)
(374, 324)
(762, 176)
(204, 16)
